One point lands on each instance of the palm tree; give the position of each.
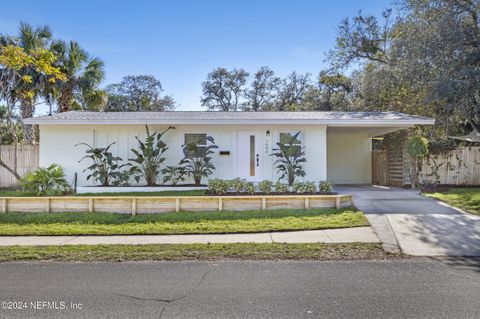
(84, 74)
(30, 38)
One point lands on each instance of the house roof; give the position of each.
(215, 118)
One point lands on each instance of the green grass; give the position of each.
(467, 199)
(194, 252)
(178, 223)
(13, 192)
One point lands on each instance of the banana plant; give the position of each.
(174, 174)
(198, 160)
(289, 159)
(106, 167)
(149, 157)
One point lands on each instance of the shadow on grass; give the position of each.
(115, 219)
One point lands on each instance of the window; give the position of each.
(296, 143)
(199, 139)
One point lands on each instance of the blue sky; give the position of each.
(180, 42)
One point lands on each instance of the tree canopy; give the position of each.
(236, 90)
(224, 90)
(425, 61)
(138, 93)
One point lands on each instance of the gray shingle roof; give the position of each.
(203, 117)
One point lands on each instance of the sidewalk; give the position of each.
(345, 235)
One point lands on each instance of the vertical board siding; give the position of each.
(349, 159)
(27, 161)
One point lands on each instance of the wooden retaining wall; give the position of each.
(164, 204)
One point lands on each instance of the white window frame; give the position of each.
(195, 133)
(291, 133)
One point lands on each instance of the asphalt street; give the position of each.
(413, 288)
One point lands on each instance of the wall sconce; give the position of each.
(267, 142)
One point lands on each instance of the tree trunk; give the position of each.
(12, 170)
(151, 181)
(197, 180)
(413, 181)
(291, 179)
(65, 100)
(27, 111)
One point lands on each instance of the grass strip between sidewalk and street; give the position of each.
(13, 224)
(467, 199)
(87, 253)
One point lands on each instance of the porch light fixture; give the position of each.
(267, 142)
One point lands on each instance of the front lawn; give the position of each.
(178, 223)
(467, 199)
(88, 253)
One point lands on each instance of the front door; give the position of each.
(250, 155)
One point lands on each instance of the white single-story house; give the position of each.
(337, 144)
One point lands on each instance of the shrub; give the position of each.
(250, 188)
(281, 188)
(237, 184)
(123, 179)
(325, 187)
(306, 187)
(198, 161)
(297, 187)
(217, 186)
(417, 148)
(105, 168)
(174, 174)
(289, 159)
(441, 145)
(45, 181)
(265, 186)
(149, 157)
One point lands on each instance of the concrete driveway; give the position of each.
(421, 226)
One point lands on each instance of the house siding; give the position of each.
(57, 145)
(349, 158)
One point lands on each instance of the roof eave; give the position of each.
(339, 122)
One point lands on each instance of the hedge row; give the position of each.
(218, 186)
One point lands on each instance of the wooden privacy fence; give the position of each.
(164, 204)
(27, 160)
(379, 167)
(460, 166)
